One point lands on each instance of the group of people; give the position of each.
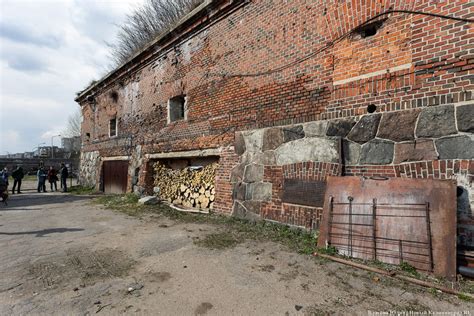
(42, 175)
(18, 174)
(52, 176)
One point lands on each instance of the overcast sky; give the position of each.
(49, 50)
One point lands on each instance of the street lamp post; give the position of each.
(52, 148)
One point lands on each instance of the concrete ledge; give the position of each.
(115, 158)
(186, 154)
(373, 74)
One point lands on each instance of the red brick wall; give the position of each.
(227, 160)
(248, 70)
(299, 215)
(281, 62)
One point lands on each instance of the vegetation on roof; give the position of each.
(145, 23)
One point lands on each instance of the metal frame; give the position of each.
(424, 254)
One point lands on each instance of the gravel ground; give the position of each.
(61, 254)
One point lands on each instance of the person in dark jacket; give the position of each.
(41, 180)
(53, 178)
(64, 174)
(4, 175)
(17, 176)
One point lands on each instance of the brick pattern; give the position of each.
(299, 215)
(274, 63)
(311, 170)
(435, 169)
(370, 171)
(224, 72)
(227, 160)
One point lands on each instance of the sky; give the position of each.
(49, 50)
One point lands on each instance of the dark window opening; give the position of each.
(369, 29)
(113, 127)
(371, 108)
(88, 136)
(176, 108)
(114, 96)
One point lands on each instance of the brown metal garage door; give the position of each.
(115, 176)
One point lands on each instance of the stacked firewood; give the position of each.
(189, 187)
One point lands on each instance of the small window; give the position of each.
(113, 127)
(88, 136)
(177, 108)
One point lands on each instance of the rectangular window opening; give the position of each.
(177, 108)
(113, 127)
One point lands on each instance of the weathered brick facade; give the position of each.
(307, 70)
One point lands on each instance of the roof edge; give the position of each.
(188, 18)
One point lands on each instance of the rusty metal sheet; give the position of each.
(393, 220)
(304, 192)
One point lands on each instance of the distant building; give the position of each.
(71, 145)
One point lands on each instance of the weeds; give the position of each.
(330, 250)
(296, 239)
(81, 190)
(465, 298)
(405, 266)
(219, 241)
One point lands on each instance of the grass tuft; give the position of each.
(81, 190)
(296, 239)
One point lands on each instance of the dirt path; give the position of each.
(60, 254)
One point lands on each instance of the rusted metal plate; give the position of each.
(304, 192)
(115, 174)
(393, 220)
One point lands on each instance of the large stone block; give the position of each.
(377, 152)
(268, 158)
(422, 149)
(398, 126)
(293, 133)
(465, 118)
(272, 138)
(253, 173)
(340, 127)
(240, 211)
(148, 200)
(365, 129)
(239, 143)
(253, 140)
(239, 191)
(251, 157)
(252, 206)
(308, 149)
(351, 152)
(260, 191)
(436, 121)
(456, 147)
(317, 128)
(237, 173)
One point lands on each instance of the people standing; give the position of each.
(53, 178)
(64, 174)
(17, 176)
(4, 175)
(41, 174)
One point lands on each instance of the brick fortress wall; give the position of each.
(298, 65)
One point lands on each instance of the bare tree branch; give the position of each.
(145, 24)
(73, 127)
